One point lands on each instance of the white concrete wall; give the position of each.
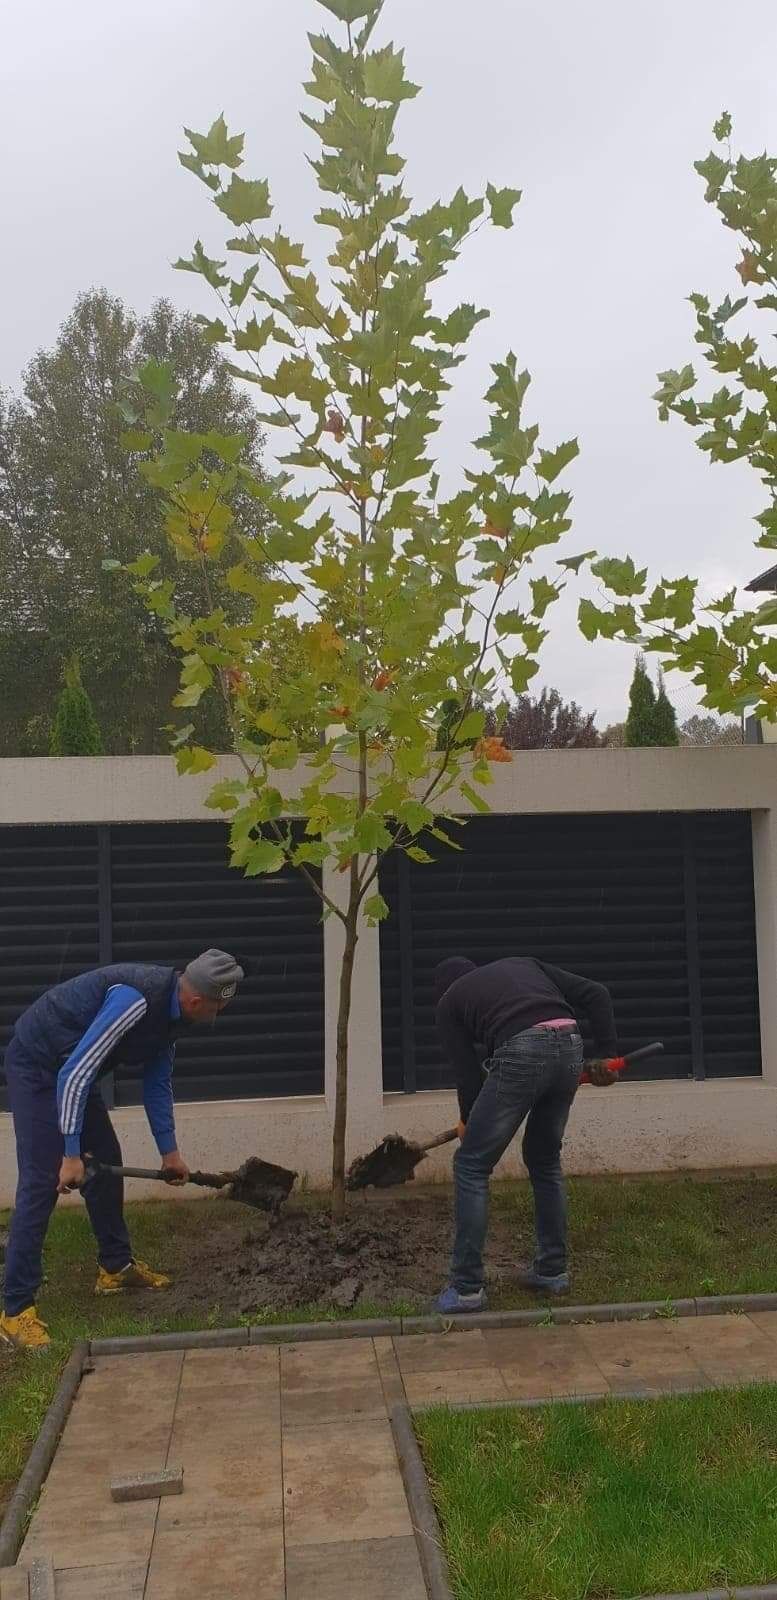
(632, 1128)
(656, 1127)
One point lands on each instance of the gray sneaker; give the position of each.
(537, 1283)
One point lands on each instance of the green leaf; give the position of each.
(194, 758)
(766, 615)
(375, 910)
(110, 564)
(213, 332)
(421, 856)
(673, 384)
(476, 800)
(255, 335)
(225, 796)
(414, 816)
(439, 833)
(351, 10)
(262, 856)
(313, 853)
(136, 439)
(552, 462)
(384, 77)
(215, 148)
(588, 616)
(209, 269)
(543, 595)
(722, 128)
(507, 622)
(472, 726)
(482, 773)
(574, 563)
(620, 576)
(246, 200)
(144, 564)
(193, 164)
(283, 754)
(522, 670)
(239, 287)
(503, 203)
(371, 833)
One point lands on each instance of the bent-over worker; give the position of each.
(523, 1014)
(124, 1015)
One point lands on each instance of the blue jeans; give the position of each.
(32, 1095)
(534, 1075)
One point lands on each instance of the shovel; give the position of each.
(394, 1160)
(257, 1183)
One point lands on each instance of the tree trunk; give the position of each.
(341, 1079)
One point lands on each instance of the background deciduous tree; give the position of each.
(70, 496)
(546, 722)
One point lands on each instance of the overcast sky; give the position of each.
(595, 108)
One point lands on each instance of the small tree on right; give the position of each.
(730, 651)
(641, 720)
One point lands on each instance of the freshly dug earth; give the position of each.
(387, 1252)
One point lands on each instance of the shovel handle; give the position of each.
(442, 1138)
(620, 1063)
(205, 1180)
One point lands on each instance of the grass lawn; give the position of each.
(611, 1499)
(640, 1239)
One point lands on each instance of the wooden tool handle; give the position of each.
(205, 1180)
(442, 1138)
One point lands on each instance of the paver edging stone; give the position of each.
(426, 1523)
(400, 1327)
(13, 1525)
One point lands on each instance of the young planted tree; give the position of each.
(410, 606)
(75, 731)
(730, 652)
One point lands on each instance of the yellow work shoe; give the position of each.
(136, 1275)
(25, 1332)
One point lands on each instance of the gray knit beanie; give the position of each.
(215, 975)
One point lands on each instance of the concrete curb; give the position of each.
(423, 1516)
(12, 1528)
(400, 1327)
(205, 1339)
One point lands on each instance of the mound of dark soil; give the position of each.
(385, 1252)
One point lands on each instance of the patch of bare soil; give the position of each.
(387, 1251)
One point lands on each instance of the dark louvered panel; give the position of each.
(174, 894)
(602, 895)
(49, 926)
(727, 944)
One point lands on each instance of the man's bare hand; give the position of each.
(461, 1129)
(175, 1168)
(71, 1174)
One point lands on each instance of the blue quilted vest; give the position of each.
(47, 1032)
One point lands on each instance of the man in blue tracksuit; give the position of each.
(128, 1014)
